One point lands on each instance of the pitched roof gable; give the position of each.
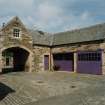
(15, 19)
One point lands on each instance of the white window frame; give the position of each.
(18, 33)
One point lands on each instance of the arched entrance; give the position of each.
(15, 59)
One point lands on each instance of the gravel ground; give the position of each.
(51, 88)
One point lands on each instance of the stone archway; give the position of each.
(16, 59)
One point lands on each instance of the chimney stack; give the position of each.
(3, 25)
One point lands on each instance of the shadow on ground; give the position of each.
(4, 90)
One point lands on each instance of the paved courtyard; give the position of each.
(51, 88)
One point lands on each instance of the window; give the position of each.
(89, 56)
(63, 56)
(16, 33)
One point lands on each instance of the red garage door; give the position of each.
(89, 62)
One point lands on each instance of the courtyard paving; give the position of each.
(51, 88)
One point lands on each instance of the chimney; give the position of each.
(3, 25)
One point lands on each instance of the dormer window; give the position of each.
(16, 33)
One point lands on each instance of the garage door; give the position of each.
(63, 61)
(89, 62)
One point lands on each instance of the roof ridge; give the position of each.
(81, 29)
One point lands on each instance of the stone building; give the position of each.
(80, 51)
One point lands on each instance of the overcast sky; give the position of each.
(54, 15)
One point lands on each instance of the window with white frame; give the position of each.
(16, 32)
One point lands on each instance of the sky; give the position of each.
(54, 15)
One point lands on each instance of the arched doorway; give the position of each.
(15, 59)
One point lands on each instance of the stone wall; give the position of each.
(39, 52)
(7, 40)
(1, 46)
(76, 47)
(102, 46)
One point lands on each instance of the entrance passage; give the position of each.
(63, 61)
(15, 59)
(89, 62)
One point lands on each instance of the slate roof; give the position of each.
(92, 33)
(41, 38)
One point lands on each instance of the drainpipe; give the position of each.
(1, 62)
(50, 60)
(75, 62)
